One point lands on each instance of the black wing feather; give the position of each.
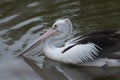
(108, 40)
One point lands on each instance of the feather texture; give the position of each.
(92, 46)
(82, 53)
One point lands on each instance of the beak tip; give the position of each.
(20, 55)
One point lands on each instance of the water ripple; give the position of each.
(23, 21)
(33, 4)
(6, 19)
(26, 22)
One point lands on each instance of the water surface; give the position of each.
(23, 21)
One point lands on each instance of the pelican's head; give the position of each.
(61, 28)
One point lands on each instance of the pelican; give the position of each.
(100, 48)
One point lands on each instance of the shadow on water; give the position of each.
(53, 70)
(23, 21)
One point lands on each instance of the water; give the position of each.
(23, 21)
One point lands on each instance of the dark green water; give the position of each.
(23, 21)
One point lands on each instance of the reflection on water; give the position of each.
(57, 71)
(23, 21)
(12, 68)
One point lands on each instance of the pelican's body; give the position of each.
(95, 49)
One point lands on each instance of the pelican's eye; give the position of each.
(55, 26)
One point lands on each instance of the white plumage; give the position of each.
(80, 53)
(90, 50)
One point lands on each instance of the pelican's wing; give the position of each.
(81, 53)
(98, 34)
(89, 47)
(73, 41)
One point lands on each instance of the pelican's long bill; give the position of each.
(45, 36)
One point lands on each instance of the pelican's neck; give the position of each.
(52, 48)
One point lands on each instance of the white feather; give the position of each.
(80, 53)
(72, 41)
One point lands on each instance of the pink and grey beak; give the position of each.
(45, 36)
